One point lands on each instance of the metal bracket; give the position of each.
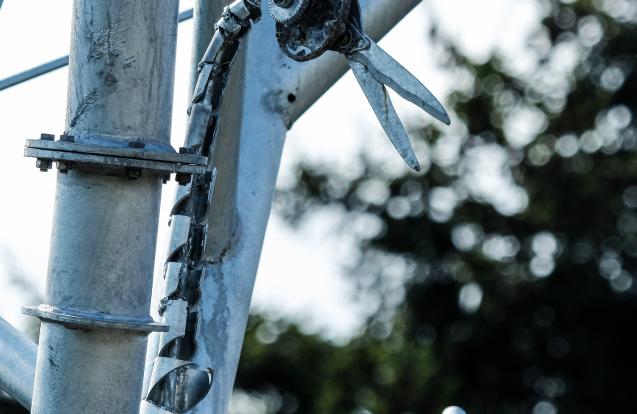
(114, 156)
(76, 318)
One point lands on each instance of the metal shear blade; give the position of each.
(374, 69)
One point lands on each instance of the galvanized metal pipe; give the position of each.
(17, 363)
(175, 387)
(205, 14)
(121, 79)
(262, 137)
(277, 92)
(225, 152)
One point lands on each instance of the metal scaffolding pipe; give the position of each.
(277, 92)
(17, 363)
(94, 326)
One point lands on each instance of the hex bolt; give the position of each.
(183, 178)
(67, 138)
(43, 164)
(47, 137)
(63, 166)
(136, 144)
(185, 150)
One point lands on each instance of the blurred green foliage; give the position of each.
(518, 246)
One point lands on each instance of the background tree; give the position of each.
(518, 290)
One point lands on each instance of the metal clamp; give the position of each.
(114, 156)
(76, 318)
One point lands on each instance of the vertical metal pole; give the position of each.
(104, 229)
(277, 92)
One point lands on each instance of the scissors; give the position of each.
(373, 68)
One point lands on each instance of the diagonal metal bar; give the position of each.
(278, 91)
(58, 63)
(17, 363)
(34, 72)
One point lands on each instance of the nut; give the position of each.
(47, 137)
(63, 166)
(136, 144)
(182, 178)
(133, 173)
(43, 164)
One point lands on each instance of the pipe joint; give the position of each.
(115, 156)
(90, 320)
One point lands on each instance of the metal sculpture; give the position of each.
(177, 384)
(305, 30)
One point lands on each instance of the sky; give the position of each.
(301, 276)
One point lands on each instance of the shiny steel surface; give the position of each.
(17, 363)
(103, 240)
(228, 280)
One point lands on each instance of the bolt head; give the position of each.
(47, 137)
(133, 173)
(67, 138)
(63, 167)
(43, 164)
(136, 144)
(182, 178)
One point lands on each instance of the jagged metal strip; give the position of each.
(179, 233)
(175, 315)
(183, 193)
(178, 385)
(149, 408)
(211, 188)
(197, 382)
(172, 274)
(164, 366)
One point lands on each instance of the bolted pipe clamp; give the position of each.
(114, 156)
(85, 319)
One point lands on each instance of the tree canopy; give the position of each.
(517, 247)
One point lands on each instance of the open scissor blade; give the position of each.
(381, 104)
(391, 73)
